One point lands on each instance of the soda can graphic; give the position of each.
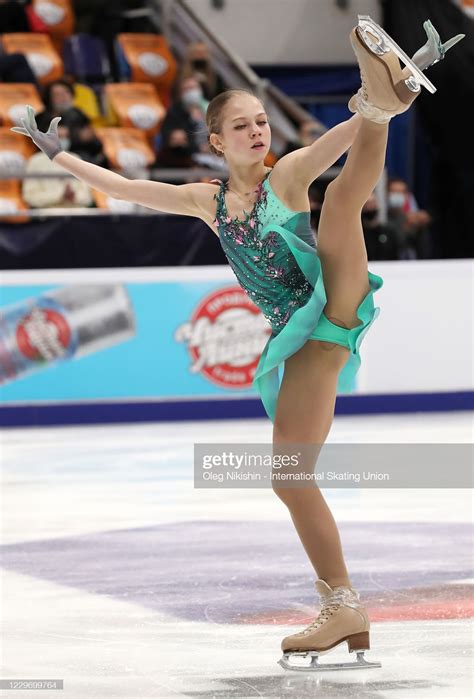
(62, 324)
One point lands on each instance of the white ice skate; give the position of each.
(379, 42)
(387, 89)
(342, 619)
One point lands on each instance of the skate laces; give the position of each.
(369, 110)
(363, 89)
(366, 108)
(341, 596)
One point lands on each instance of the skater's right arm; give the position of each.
(168, 198)
(186, 199)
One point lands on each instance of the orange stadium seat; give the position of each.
(135, 104)
(14, 152)
(44, 59)
(58, 15)
(125, 147)
(11, 200)
(150, 60)
(13, 98)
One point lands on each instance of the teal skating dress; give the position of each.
(273, 254)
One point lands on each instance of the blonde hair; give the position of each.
(215, 111)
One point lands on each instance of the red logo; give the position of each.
(43, 335)
(225, 335)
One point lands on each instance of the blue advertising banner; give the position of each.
(182, 335)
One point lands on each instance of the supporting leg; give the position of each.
(307, 395)
(304, 415)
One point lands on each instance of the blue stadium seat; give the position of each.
(86, 56)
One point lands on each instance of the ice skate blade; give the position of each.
(386, 43)
(314, 666)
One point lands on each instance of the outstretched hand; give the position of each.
(434, 50)
(48, 142)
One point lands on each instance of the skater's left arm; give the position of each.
(309, 162)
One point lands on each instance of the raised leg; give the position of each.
(386, 90)
(341, 245)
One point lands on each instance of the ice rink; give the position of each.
(123, 580)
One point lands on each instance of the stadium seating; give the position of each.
(58, 16)
(125, 147)
(126, 115)
(14, 153)
(44, 59)
(85, 56)
(13, 98)
(136, 105)
(147, 58)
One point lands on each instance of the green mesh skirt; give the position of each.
(309, 323)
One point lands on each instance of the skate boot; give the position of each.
(387, 89)
(342, 619)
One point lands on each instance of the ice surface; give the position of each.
(122, 579)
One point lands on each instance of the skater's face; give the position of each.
(245, 124)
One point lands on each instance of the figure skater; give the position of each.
(318, 299)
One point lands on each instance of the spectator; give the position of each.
(81, 138)
(197, 64)
(400, 196)
(59, 101)
(413, 223)
(381, 239)
(84, 142)
(58, 97)
(308, 132)
(85, 100)
(175, 151)
(187, 113)
(45, 192)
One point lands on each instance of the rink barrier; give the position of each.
(226, 409)
(183, 343)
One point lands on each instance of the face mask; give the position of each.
(193, 96)
(65, 143)
(396, 200)
(370, 215)
(200, 64)
(62, 107)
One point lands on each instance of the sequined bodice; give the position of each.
(260, 258)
